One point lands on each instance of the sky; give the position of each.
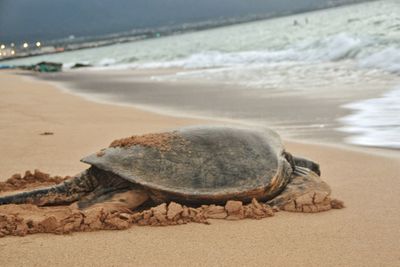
(32, 20)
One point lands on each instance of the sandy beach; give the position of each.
(365, 233)
(320, 106)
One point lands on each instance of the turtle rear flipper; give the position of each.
(124, 199)
(64, 193)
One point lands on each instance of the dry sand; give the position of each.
(365, 233)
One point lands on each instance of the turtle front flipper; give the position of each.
(64, 193)
(306, 192)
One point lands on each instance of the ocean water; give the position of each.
(327, 52)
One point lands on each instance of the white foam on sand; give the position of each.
(375, 122)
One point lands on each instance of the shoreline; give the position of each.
(336, 137)
(379, 151)
(367, 183)
(63, 88)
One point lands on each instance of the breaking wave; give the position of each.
(329, 49)
(339, 48)
(387, 59)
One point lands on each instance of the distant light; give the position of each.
(38, 44)
(12, 52)
(25, 45)
(2, 46)
(12, 44)
(0, 54)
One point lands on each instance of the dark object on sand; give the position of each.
(46, 66)
(47, 133)
(80, 65)
(43, 66)
(194, 165)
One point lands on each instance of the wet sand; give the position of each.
(303, 113)
(365, 233)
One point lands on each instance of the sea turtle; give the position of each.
(192, 165)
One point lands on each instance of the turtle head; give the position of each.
(297, 163)
(308, 164)
(289, 159)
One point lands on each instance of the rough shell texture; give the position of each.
(201, 163)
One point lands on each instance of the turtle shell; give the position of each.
(200, 164)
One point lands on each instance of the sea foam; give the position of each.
(375, 122)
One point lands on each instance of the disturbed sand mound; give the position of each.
(30, 180)
(29, 219)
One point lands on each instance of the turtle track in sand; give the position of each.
(20, 220)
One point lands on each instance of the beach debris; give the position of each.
(44, 66)
(47, 133)
(80, 65)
